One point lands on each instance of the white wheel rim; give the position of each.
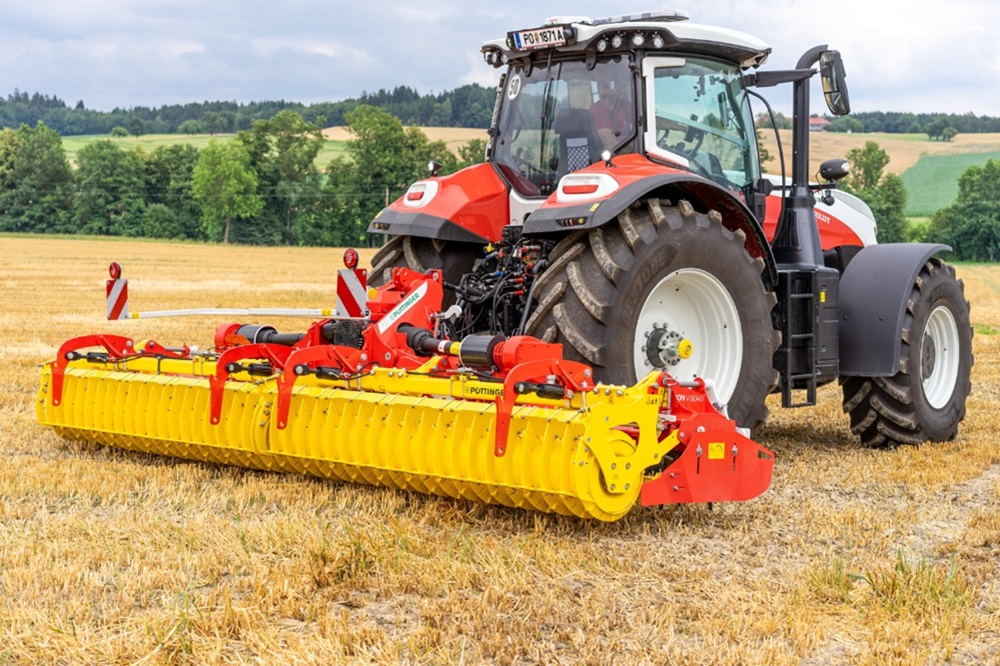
(696, 305)
(939, 357)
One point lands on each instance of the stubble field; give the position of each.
(853, 556)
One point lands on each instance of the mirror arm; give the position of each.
(811, 57)
(771, 79)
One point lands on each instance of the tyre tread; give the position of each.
(889, 411)
(588, 273)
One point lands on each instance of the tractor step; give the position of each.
(808, 320)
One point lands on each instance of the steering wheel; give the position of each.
(522, 164)
(689, 144)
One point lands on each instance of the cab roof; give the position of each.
(670, 29)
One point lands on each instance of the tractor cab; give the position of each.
(579, 90)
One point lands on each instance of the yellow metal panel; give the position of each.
(716, 450)
(390, 428)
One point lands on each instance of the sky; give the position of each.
(918, 56)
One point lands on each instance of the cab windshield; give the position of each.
(558, 119)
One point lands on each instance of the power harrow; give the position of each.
(385, 398)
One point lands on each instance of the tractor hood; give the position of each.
(468, 206)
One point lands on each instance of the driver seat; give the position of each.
(579, 145)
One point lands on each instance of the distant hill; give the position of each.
(930, 169)
(905, 150)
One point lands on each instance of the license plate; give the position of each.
(539, 38)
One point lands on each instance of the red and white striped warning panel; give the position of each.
(352, 292)
(117, 293)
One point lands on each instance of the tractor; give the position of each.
(591, 318)
(622, 212)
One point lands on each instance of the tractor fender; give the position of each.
(702, 193)
(874, 289)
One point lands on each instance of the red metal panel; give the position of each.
(474, 198)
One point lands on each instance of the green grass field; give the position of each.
(932, 183)
(149, 142)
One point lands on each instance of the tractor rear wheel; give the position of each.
(422, 254)
(665, 288)
(925, 399)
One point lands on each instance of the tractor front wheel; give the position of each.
(925, 399)
(666, 288)
(422, 254)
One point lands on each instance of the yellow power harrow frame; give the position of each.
(392, 427)
(488, 419)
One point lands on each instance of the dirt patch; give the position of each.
(108, 556)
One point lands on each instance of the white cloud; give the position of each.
(270, 47)
(479, 72)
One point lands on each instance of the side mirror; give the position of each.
(831, 73)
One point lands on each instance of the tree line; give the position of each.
(466, 106)
(263, 186)
(260, 187)
(943, 126)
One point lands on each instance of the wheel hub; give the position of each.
(928, 357)
(940, 357)
(665, 347)
(696, 306)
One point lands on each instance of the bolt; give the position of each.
(628, 465)
(612, 486)
(614, 465)
(619, 393)
(676, 489)
(364, 357)
(586, 373)
(627, 486)
(388, 356)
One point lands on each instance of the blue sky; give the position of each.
(917, 56)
